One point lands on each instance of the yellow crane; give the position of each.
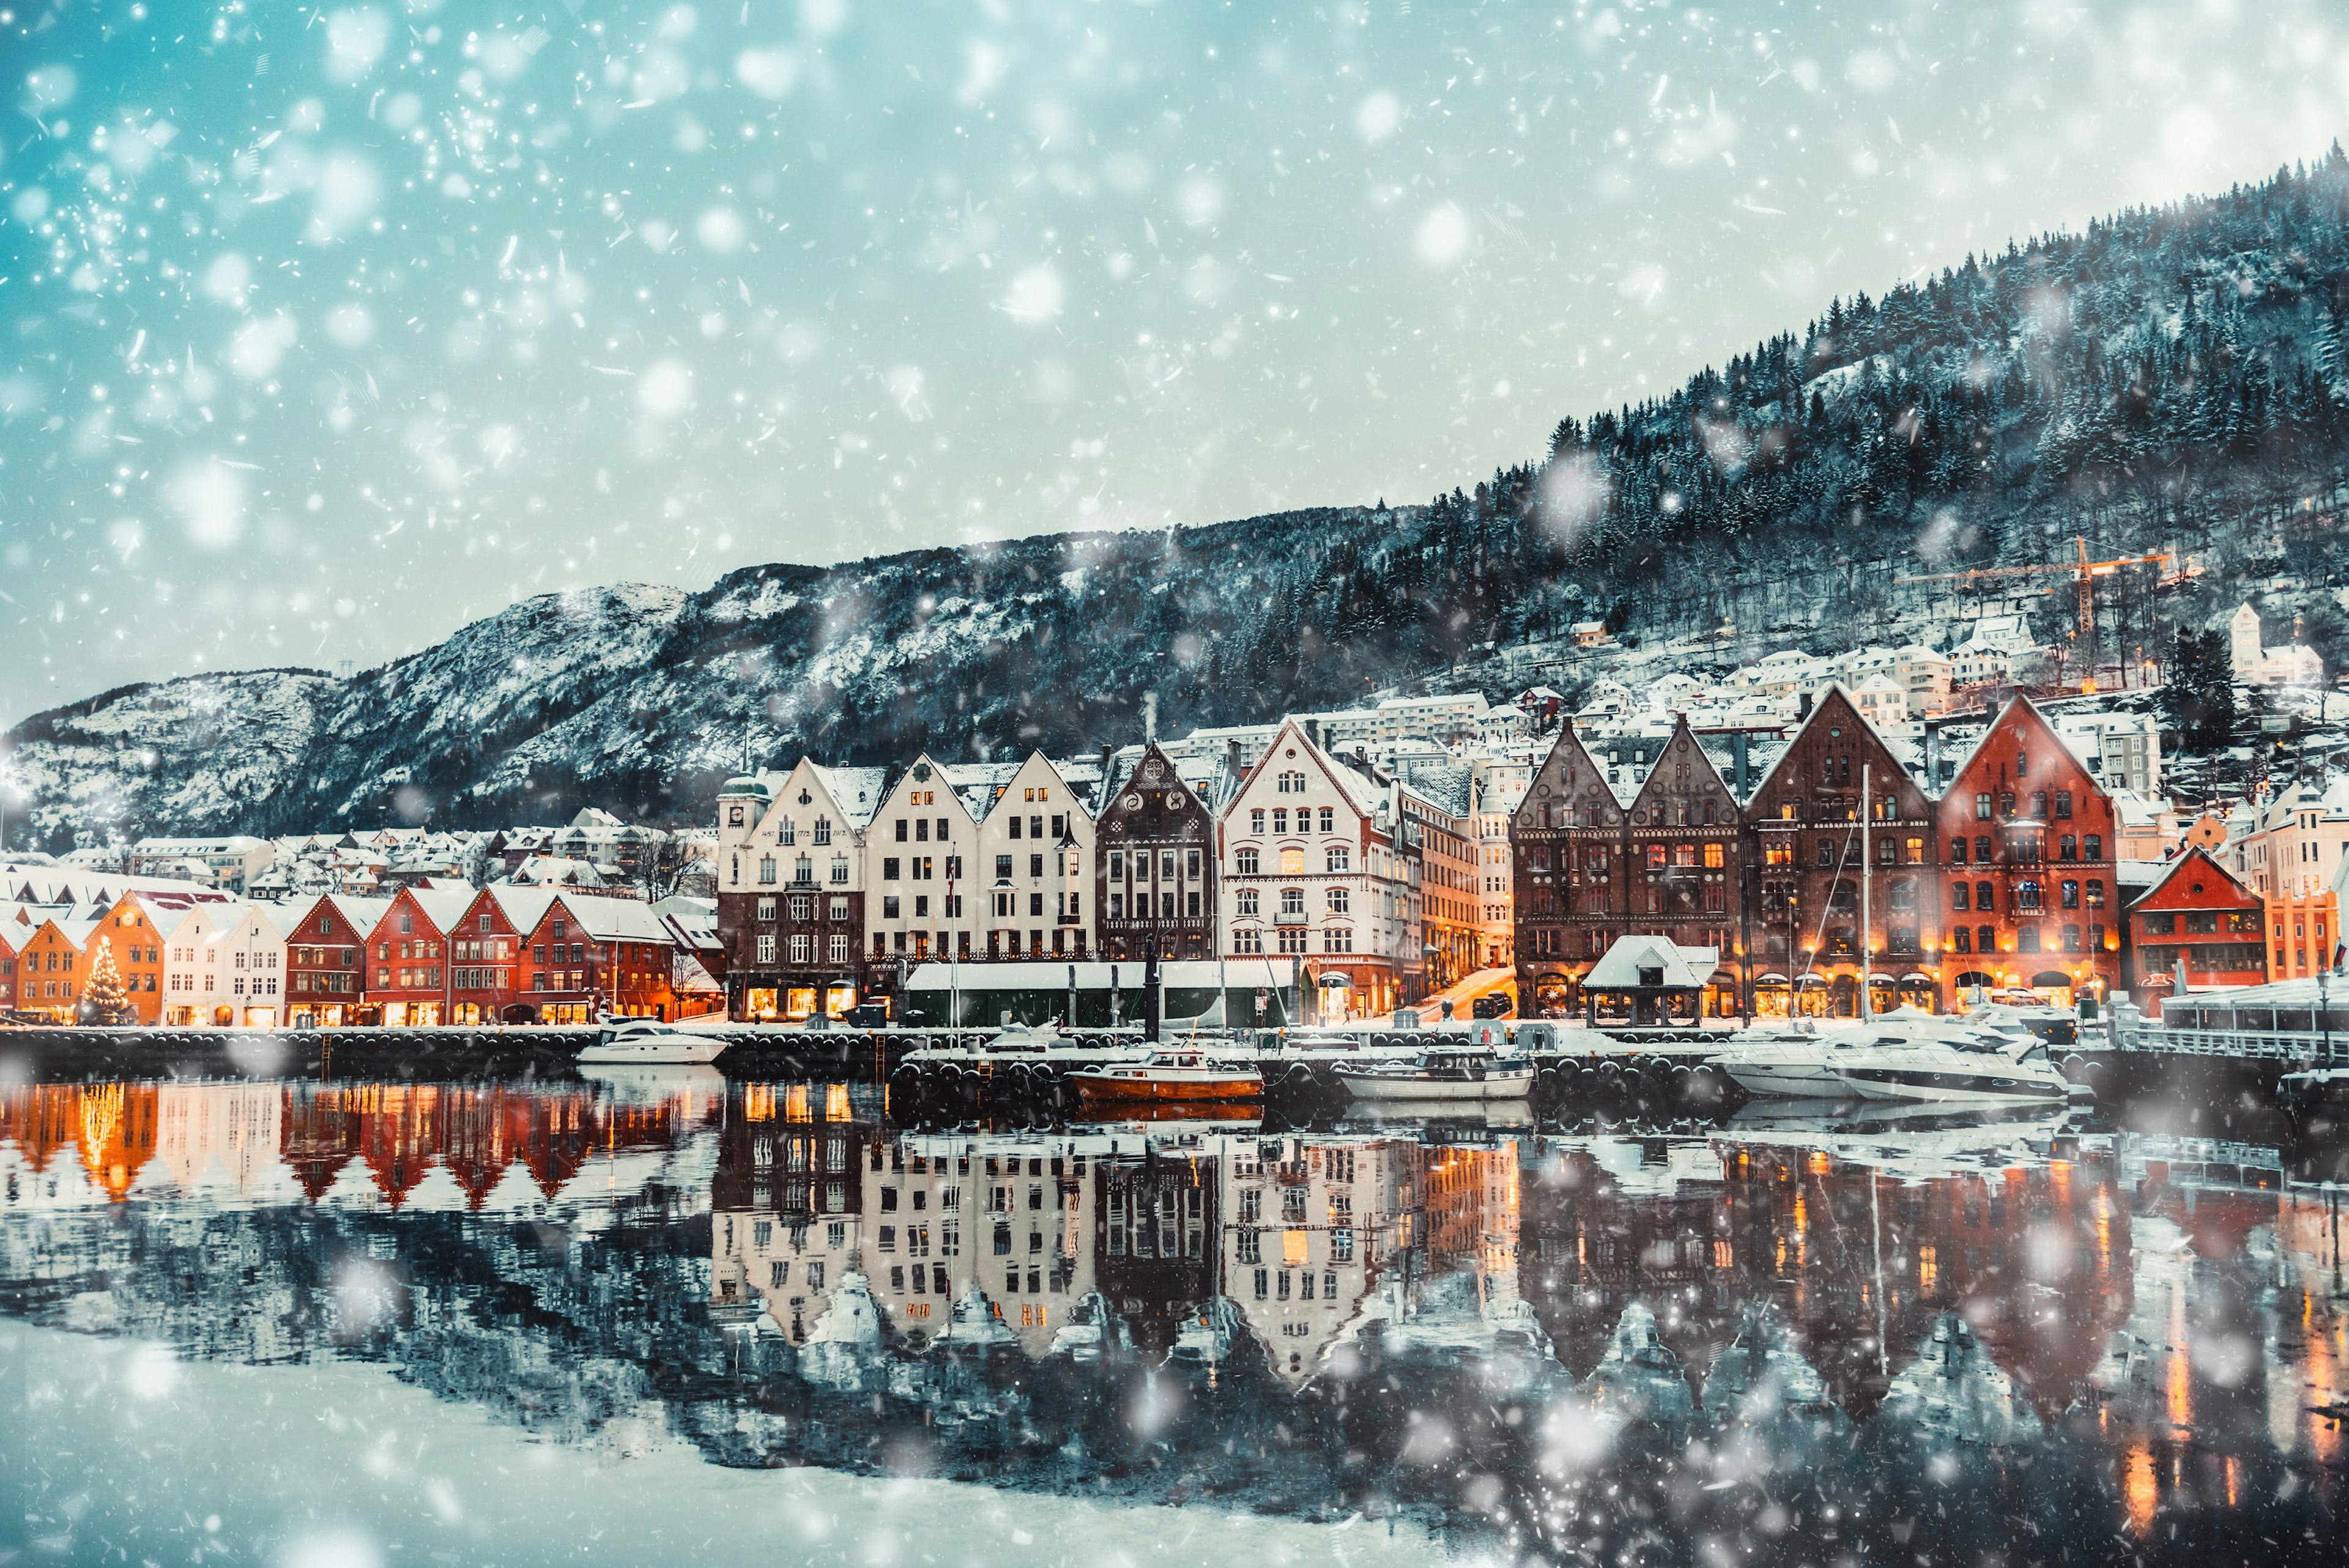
(2087, 572)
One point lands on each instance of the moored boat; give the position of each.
(1441, 1073)
(1172, 1075)
(647, 1042)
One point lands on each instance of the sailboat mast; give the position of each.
(1867, 993)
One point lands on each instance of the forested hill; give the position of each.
(2171, 379)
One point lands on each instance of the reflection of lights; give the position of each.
(2138, 1488)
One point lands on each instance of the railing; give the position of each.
(2303, 1049)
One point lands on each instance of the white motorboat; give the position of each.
(1445, 1074)
(645, 1041)
(1792, 1061)
(1915, 1058)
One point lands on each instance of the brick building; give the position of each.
(1809, 862)
(1566, 844)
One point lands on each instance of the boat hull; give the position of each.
(1103, 1088)
(1514, 1085)
(664, 1051)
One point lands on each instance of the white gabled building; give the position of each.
(253, 962)
(920, 856)
(1033, 875)
(195, 961)
(1311, 873)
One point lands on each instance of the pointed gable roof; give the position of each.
(1832, 711)
(2198, 857)
(1358, 790)
(1567, 775)
(1660, 786)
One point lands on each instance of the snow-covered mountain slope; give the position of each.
(2170, 381)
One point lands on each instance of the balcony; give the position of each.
(1290, 918)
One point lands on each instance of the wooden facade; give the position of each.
(1810, 856)
(2029, 831)
(1154, 876)
(2198, 914)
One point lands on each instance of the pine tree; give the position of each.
(102, 1000)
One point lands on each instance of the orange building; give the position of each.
(2196, 911)
(2028, 882)
(137, 956)
(50, 968)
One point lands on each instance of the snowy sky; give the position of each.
(326, 331)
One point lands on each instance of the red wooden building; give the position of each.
(2195, 911)
(589, 956)
(407, 982)
(325, 953)
(2029, 884)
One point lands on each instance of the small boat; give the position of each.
(2315, 1093)
(646, 1042)
(1172, 1075)
(1915, 1058)
(1441, 1073)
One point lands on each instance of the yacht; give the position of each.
(1916, 1058)
(1441, 1073)
(645, 1041)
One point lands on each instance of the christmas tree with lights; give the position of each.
(102, 999)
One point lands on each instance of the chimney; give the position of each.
(1738, 752)
(1150, 717)
(1933, 756)
(1801, 705)
(1313, 732)
(1107, 753)
(1232, 759)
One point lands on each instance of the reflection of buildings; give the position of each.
(1307, 1227)
(787, 1199)
(1152, 1243)
(228, 1128)
(2037, 1255)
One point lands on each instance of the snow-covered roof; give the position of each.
(1618, 969)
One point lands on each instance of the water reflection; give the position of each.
(1783, 1336)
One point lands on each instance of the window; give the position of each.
(1256, 820)
(1981, 807)
(1243, 863)
(2026, 941)
(1338, 939)
(2094, 847)
(1339, 901)
(802, 907)
(1244, 903)
(889, 906)
(791, 831)
(1329, 820)
(1957, 899)
(2064, 809)
(1293, 901)
(1247, 941)
(1340, 860)
(1961, 941)
(2070, 897)
(767, 869)
(1292, 863)
(1292, 783)
(1714, 858)
(767, 948)
(1957, 851)
(802, 948)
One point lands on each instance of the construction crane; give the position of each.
(2086, 570)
